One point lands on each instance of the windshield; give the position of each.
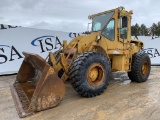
(98, 22)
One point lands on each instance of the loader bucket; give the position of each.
(37, 86)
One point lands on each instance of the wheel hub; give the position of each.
(145, 68)
(95, 74)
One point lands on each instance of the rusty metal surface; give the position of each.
(21, 101)
(37, 86)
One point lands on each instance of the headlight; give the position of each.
(98, 37)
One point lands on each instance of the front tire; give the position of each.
(90, 73)
(140, 68)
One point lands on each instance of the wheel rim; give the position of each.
(95, 74)
(145, 68)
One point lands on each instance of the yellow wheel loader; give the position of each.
(87, 61)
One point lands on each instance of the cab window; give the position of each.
(123, 27)
(109, 31)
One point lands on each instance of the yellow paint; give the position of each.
(119, 51)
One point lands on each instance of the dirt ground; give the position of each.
(121, 101)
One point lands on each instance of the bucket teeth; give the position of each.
(22, 96)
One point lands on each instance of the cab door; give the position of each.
(123, 29)
(124, 38)
(109, 34)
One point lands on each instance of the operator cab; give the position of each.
(107, 23)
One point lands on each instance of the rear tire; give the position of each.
(90, 73)
(140, 68)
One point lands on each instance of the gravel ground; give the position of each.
(121, 101)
